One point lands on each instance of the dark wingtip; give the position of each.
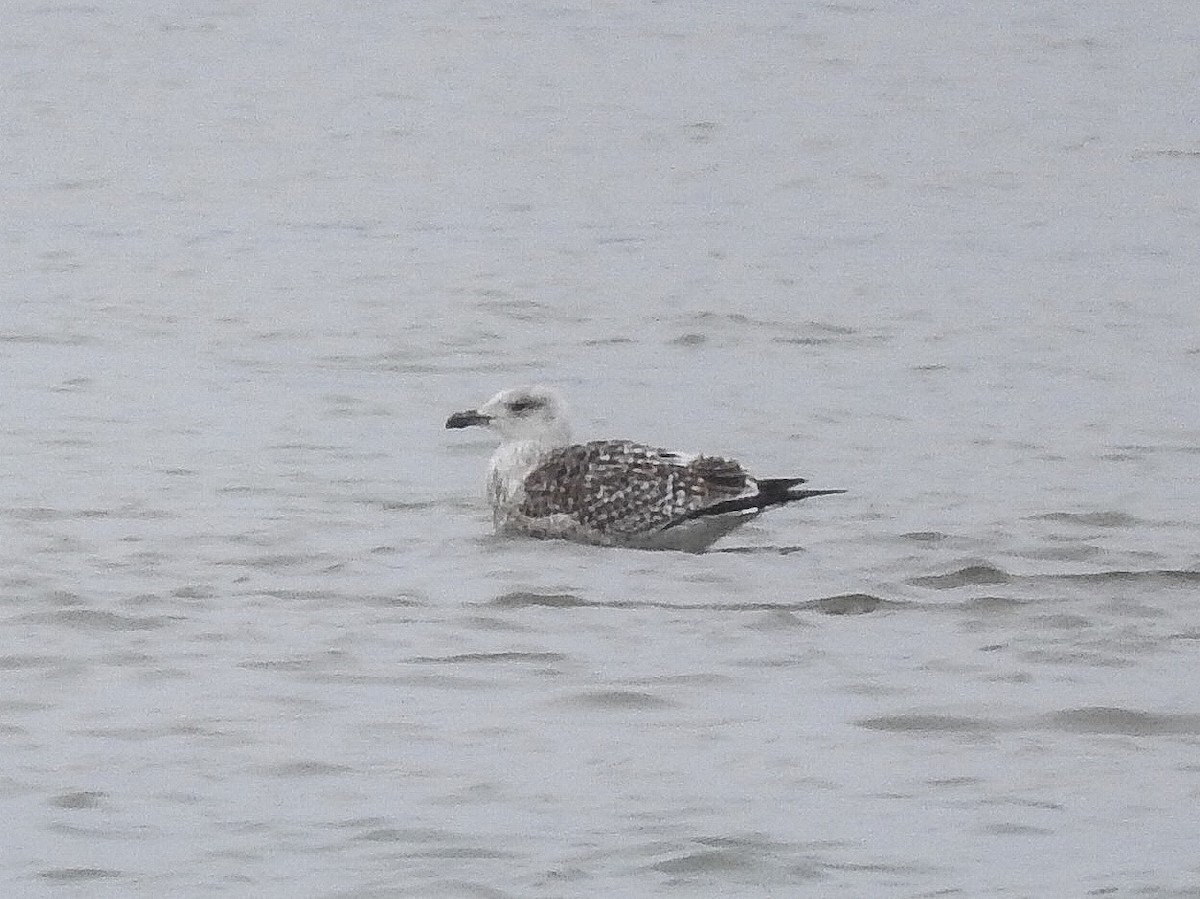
(759, 501)
(466, 419)
(805, 494)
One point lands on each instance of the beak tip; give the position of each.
(466, 419)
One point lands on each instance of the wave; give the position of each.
(986, 575)
(838, 604)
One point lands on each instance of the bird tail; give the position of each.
(771, 492)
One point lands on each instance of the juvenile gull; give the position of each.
(611, 492)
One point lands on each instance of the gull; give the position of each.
(611, 492)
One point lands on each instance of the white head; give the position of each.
(536, 414)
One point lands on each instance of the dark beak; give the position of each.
(466, 419)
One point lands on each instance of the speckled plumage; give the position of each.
(611, 492)
(627, 489)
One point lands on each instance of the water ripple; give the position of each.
(839, 604)
(95, 620)
(617, 699)
(75, 875)
(490, 657)
(1127, 722)
(988, 575)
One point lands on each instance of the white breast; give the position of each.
(510, 466)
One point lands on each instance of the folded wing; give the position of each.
(624, 489)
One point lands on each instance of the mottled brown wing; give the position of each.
(623, 488)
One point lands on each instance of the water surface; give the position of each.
(256, 635)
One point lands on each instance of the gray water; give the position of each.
(257, 639)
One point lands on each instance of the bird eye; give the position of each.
(524, 405)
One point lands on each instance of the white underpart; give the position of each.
(510, 466)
